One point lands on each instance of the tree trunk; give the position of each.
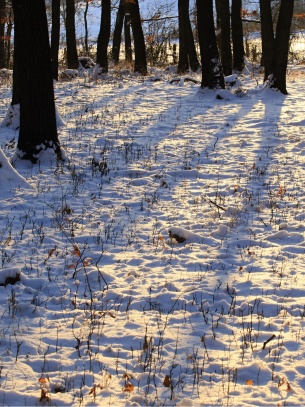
(212, 74)
(183, 12)
(9, 36)
(140, 64)
(117, 34)
(237, 36)
(86, 28)
(187, 51)
(225, 37)
(2, 34)
(267, 36)
(72, 58)
(103, 37)
(281, 46)
(37, 108)
(218, 17)
(55, 33)
(127, 35)
(193, 58)
(17, 47)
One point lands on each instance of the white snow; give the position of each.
(9, 177)
(163, 262)
(12, 117)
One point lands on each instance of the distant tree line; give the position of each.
(219, 35)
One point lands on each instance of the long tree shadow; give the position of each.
(229, 200)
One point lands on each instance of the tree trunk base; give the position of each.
(41, 153)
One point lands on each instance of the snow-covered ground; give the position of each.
(163, 263)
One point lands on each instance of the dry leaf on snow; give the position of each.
(128, 387)
(76, 251)
(167, 381)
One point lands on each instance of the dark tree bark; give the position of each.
(103, 37)
(237, 36)
(2, 33)
(218, 17)
(55, 35)
(225, 37)
(267, 36)
(117, 34)
(140, 63)
(17, 48)
(218, 25)
(127, 35)
(37, 108)
(193, 58)
(72, 57)
(9, 36)
(16, 70)
(12, 117)
(187, 51)
(86, 27)
(183, 10)
(281, 46)
(212, 74)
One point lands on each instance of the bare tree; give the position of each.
(140, 64)
(225, 37)
(187, 51)
(218, 17)
(212, 74)
(183, 62)
(72, 58)
(117, 33)
(2, 33)
(86, 26)
(8, 36)
(38, 130)
(281, 46)
(267, 36)
(237, 36)
(127, 35)
(103, 37)
(55, 34)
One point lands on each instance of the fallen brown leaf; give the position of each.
(128, 387)
(167, 381)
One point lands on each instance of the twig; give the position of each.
(145, 20)
(268, 340)
(218, 206)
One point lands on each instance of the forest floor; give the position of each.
(163, 264)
